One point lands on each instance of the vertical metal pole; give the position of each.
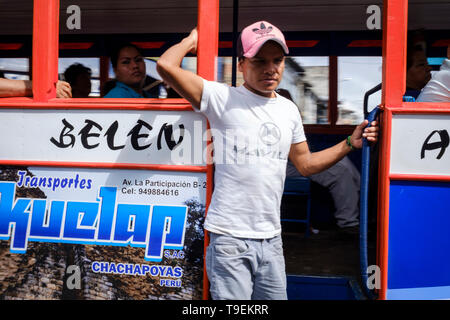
(235, 38)
(45, 49)
(333, 90)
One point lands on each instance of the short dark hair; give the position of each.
(115, 51)
(73, 71)
(239, 48)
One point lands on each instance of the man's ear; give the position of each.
(240, 62)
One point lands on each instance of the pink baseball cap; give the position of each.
(255, 35)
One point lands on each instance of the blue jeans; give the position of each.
(244, 269)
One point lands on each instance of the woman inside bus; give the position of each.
(129, 68)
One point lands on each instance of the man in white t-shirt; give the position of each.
(255, 130)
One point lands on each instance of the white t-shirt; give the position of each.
(438, 88)
(252, 136)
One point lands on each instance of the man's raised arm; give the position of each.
(186, 83)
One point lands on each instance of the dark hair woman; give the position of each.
(129, 68)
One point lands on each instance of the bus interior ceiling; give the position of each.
(312, 28)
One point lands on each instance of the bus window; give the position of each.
(357, 75)
(224, 71)
(306, 79)
(426, 52)
(427, 41)
(16, 25)
(15, 68)
(99, 29)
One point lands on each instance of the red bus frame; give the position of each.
(395, 27)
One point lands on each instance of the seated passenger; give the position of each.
(438, 88)
(129, 68)
(418, 72)
(79, 78)
(24, 88)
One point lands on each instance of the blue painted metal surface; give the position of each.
(301, 287)
(299, 186)
(419, 240)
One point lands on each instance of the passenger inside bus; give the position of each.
(129, 68)
(79, 78)
(438, 88)
(24, 88)
(343, 182)
(418, 72)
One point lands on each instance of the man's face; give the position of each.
(418, 74)
(262, 73)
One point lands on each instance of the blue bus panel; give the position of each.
(419, 240)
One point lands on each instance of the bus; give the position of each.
(101, 193)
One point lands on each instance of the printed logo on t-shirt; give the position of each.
(269, 133)
(265, 145)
